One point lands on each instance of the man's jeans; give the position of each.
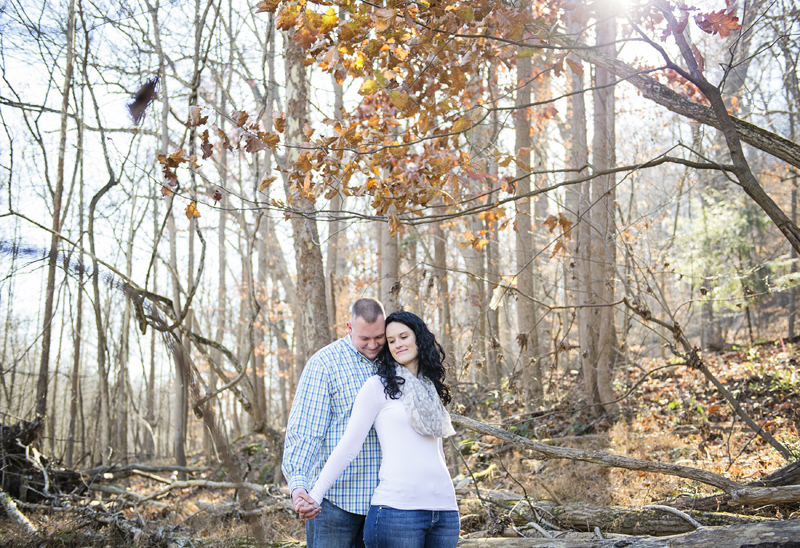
(391, 528)
(335, 528)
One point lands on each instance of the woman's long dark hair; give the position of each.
(429, 353)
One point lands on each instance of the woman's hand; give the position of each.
(304, 504)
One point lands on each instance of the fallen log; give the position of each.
(786, 476)
(760, 496)
(11, 510)
(775, 534)
(599, 457)
(633, 521)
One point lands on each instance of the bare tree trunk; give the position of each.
(335, 240)
(121, 444)
(69, 457)
(389, 270)
(598, 374)
(440, 258)
(44, 366)
(312, 324)
(527, 338)
(150, 405)
(576, 207)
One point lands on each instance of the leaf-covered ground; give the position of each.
(672, 414)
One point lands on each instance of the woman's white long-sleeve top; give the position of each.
(413, 473)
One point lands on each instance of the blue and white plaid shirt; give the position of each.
(318, 418)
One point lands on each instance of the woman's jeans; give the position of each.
(391, 528)
(335, 528)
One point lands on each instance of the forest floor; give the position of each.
(672, 415)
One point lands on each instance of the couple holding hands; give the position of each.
(363, 453)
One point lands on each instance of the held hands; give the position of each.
(304, 504)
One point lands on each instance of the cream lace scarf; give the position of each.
(424, 408)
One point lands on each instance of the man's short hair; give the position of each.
(367, 309)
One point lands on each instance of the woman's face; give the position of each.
(403, 345)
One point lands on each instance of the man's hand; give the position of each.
(304, 504)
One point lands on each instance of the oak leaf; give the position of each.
(239, 117)
(466, 13)
(206, 145)
(254, 144)
(718, 22)
(329, 21)
(330, 60)
(287, 16)
(271, 139)
(701, 62)
(279, 122)
(305, 37)
(265, 182)
(226, 143)
(268, 6)
(196, 117)
(191, 211)
(575, 66)
(401, 100)
(166, 191)
(369, 87)
(217, 196)
(383, 19)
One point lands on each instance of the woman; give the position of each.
(414, 505)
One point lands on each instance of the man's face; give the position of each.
(368, 338)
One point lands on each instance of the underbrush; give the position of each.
(673, 416)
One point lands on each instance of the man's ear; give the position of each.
(349, 328)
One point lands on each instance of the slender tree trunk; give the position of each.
(335, 239)
(576, 282)
(389, 270)
(69, 457)
(47, 331)
(440, 258)
(598, 374)
(527, 339)
(150, 405)
(311, 325)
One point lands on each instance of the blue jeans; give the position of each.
(335, 528)
(391, 528)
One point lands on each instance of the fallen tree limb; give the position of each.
(653, 521)
(758, 496)
(11, 510)
(260, 489)
(788, 475)
(598, 457)
(128, 467)
(775, 534)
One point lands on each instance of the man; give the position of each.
(320, 411)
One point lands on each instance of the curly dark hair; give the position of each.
(429, 352)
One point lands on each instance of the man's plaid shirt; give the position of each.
(318, 418)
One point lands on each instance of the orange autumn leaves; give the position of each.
(249, 138)
(413, 64)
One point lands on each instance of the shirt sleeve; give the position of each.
(365, 410)
(309, 420)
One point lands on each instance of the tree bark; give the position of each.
(527, 338)
(760, 138)
(598, 457)
(311, 325)
(389, 270)
(634, 520)
(602, 248)
(47, 328)
(772, 534)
